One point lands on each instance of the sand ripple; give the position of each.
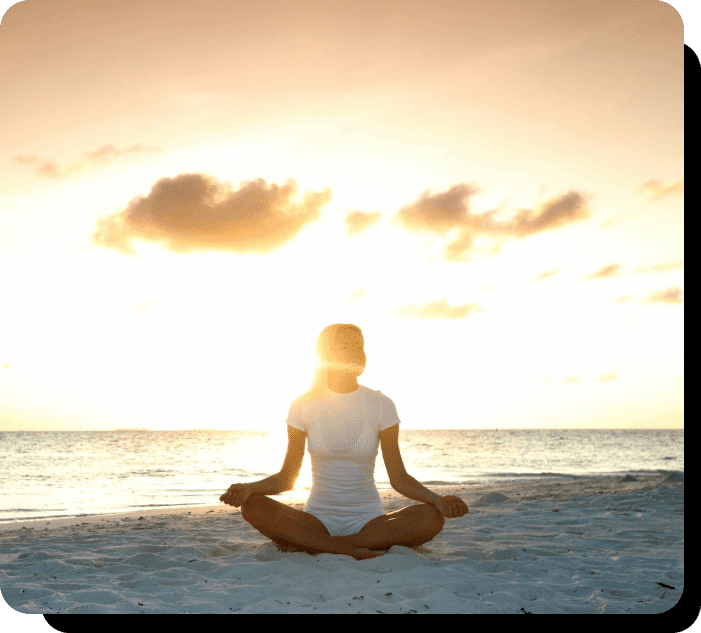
(580, 546)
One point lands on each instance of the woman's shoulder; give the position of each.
(379, 393)
(370, 389)
(311, 396)
(301, 399)
(305, 398)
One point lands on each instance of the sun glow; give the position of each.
(473, 308)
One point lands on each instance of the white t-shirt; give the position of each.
(343, 440)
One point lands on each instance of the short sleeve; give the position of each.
(294, 417)
(388, 412)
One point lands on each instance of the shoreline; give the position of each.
(522, 491)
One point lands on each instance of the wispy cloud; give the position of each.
(671, 295)
(547, 274)
(615, 270)
(657, 268)
(147, 307)
(48, 168)
(449, 212)
(438, 310)
(26, 160)
(607, 271)
(358, 221)
(107, 152)
(575, 378)
(615, 220)
(656, 189)
(196, 212)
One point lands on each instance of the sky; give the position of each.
(191, 190)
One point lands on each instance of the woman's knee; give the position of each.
(254, 506)
(436, 518)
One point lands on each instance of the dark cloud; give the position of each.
(607, 271)
(47, 168)
(438, 310)
(557, 212)
(443, 212)
(196, 212)
(358, 221)
(357, 294)
(608, 377)
(671, 295)
(449, 211)
(656, 189)
(6, 366)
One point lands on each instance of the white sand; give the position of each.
(584, 546)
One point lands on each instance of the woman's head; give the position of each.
(339, 347)
(339, 350)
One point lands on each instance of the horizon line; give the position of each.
(505, 428)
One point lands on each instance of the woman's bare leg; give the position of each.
(290, 527)
(411, 526)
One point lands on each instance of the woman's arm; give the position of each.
(273, 485)
(412, 489)
(238, 494)
(449, 506)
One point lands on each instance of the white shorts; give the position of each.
(343, 527)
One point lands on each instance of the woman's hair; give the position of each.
(324, 342)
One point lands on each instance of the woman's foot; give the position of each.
(351, 539)
(359, 553)
(362, 553)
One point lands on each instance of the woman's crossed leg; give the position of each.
(411, 526)
(296, 530)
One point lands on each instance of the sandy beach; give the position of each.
(585, 545)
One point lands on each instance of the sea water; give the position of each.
(79, 473)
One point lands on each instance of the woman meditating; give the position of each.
(344, 423)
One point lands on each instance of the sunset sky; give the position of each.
(191, 190)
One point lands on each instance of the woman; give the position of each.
(344, 423)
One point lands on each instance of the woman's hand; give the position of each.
(236, 495)
(451, 507)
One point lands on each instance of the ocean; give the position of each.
(61, 474)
